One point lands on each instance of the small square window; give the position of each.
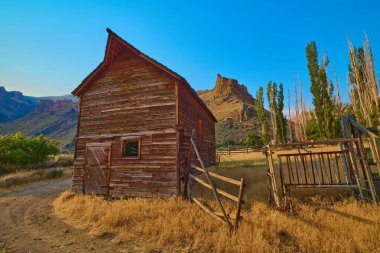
(131, 148)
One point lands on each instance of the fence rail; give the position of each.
(239, 150)
(221, 216)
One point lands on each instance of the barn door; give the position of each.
(97, 171)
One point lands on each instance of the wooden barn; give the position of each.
(135, 120)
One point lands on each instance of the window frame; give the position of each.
(128, 139)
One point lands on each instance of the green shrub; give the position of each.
(254, 140)
(18, 151)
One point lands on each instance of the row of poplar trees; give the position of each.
(362, 84)
(323, 121)
(278, 120)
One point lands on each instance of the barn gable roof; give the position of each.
(114, 45)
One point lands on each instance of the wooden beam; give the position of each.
(229, 180)
(208, 210)
(226, 194)
(308, 143)
(176, 104)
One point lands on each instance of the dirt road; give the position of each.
(27, 224)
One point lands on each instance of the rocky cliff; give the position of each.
(232, 105)
(51, 116)
(51, 105)
(228, 88)
(13, 105)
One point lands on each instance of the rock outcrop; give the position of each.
(233, 106)
(51, 105)
(13, 105)
(228, 88)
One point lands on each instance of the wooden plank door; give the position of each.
(97, 171)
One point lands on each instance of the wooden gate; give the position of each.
(297, 166)
(221, 216)
(97, 169)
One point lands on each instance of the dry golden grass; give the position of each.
(315, 225)
(253, 160)
(176, 225)
(21, 179)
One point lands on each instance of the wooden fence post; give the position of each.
(375, 149)
(237, 217)
(272, 177)
(367, 170)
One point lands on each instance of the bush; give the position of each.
(226, 144)
(64, 160)
(254, 140)
(18, 151)
(54, 173)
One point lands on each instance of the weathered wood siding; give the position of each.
(190, 111)
(131, 98)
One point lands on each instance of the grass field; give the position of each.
(316, 225)
(22, 179)
(59, 167)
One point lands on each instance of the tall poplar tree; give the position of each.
(322, 91)
(259, 105)
(272, 95)
(363, 84)
(281, 120)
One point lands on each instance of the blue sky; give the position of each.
(49, 47)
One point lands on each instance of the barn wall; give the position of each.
(190, 111)
(131, 98)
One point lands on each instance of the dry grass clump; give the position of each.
(176, 225)
(61, 160)
(22, 178)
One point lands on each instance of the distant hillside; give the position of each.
(55, 119)
(54, 116)
(13, 105)
(55, 98)
(232, 105)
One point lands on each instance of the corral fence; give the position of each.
(194, 178)
(346, 165)
(351, 128)
(236, 150)
(296, 165)
(230, 150)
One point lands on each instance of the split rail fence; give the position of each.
(194, 178)
(239, 150)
